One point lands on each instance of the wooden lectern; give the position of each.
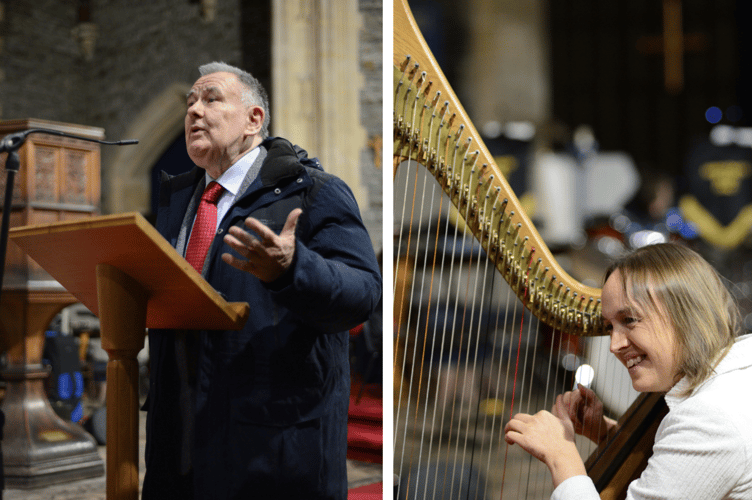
(122, 269)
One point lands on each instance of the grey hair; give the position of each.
(254, 93)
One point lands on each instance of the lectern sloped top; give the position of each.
(178, 296)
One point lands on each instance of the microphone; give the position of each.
(13, 142)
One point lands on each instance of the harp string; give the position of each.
(441, 280)
(484, 359)
(411, 478)
(498, 380)
(508, 365)
(529, 407)
(514, 385)
(468, 287)
(461, 341)
(404, 298)
(427, 325)
(415, 347)
(442, 345)
(474, 324)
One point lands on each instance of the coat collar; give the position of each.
(283, 161)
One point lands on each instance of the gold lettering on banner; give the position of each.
(725, 176)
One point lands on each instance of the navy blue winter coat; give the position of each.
(270, 400)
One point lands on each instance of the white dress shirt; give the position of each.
(231, 180)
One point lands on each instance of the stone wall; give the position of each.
(371, 63)
(139, 49)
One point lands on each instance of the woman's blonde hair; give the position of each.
(674, 280)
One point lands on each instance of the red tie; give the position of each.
(204, 227)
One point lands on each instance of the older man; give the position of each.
(260, 412)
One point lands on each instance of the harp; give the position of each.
(478, 298)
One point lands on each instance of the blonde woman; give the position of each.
(675, 327)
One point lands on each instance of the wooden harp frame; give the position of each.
(432, 128)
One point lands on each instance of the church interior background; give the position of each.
(621, 122)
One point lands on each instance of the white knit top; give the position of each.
(703, 448)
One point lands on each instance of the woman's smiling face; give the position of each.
(643, 341)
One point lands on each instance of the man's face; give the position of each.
(219, 128)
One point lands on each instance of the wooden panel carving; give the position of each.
(74, 187)
(45, 178)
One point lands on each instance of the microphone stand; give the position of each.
(10, 144)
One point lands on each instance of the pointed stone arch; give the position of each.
(129, 179)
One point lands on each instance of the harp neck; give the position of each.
(432, 128)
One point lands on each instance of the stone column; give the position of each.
(317, 83)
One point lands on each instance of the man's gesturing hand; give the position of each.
(268, 256)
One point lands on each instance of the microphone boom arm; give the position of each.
(13, 142)
(10, 144)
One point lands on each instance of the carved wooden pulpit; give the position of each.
(122, 269)
(59, 180)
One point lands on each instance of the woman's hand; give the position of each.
(549, 437)
(585, 411)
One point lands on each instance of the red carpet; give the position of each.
(365, 437)
(369, 492)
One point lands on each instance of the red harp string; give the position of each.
(516, 370)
